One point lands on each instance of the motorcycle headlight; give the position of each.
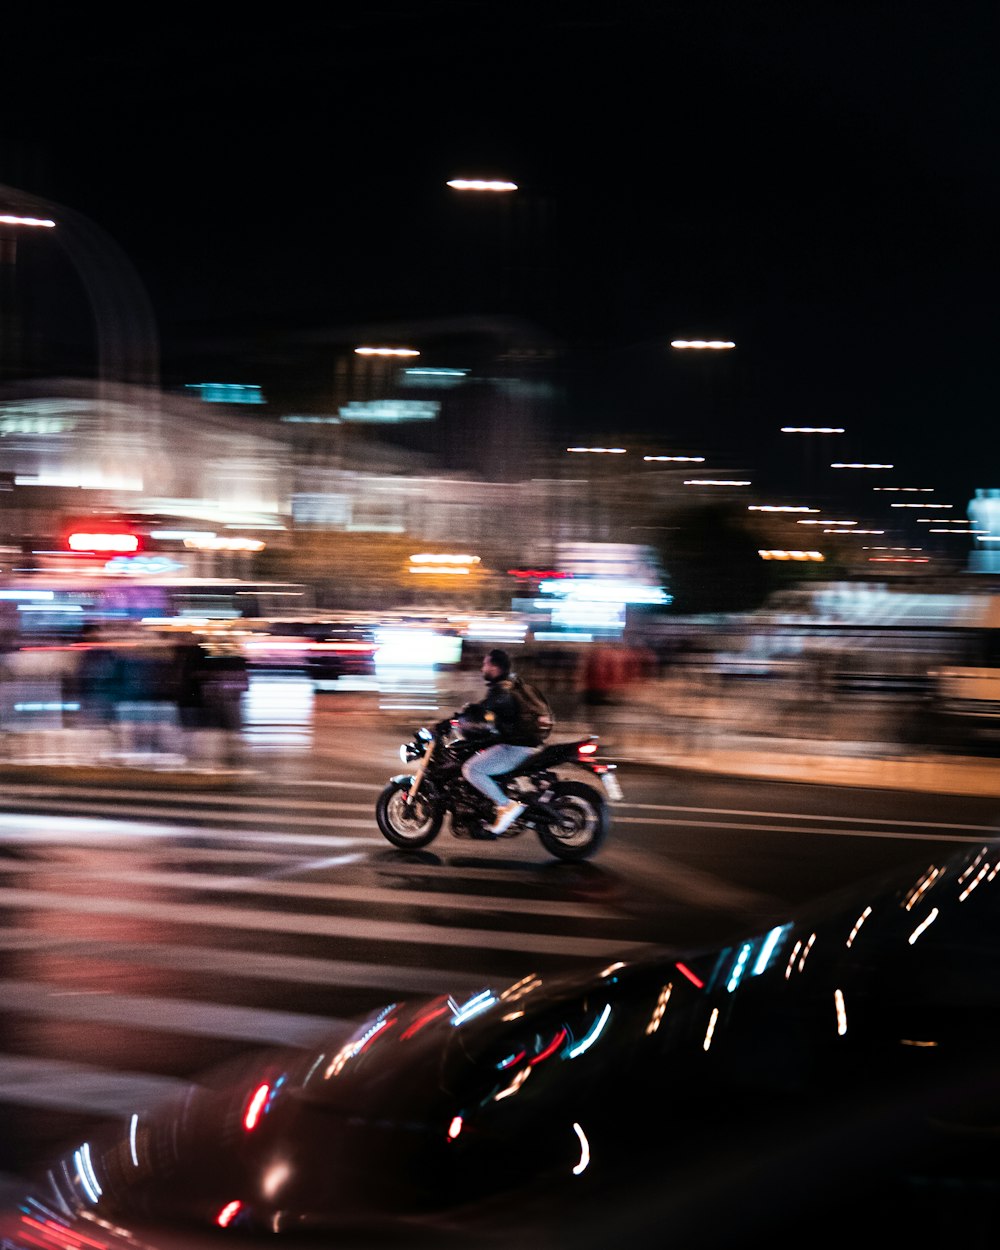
(410, 751)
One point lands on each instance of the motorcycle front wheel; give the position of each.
(409, 828)
(578, 822)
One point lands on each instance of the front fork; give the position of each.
(418, 776)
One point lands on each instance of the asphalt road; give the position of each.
(151, 930)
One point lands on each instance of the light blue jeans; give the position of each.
(480, 769)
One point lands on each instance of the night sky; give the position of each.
(816, 181)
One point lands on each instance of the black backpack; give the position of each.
(535, 719)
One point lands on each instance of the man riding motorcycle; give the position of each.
(511, 740)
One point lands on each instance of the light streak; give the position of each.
(552, 1047)
(251, 1117)
(584, 1150)
(922, 926)
(481, 1002)
(857, 927)
(685, 971)
(711, 1028)
(738, 968)
(659, 1009)
(838, 998)
(585, 1043)
(85, 1171)
(228, 1213)
(770, 942)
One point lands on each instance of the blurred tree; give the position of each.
(374, 570)
(344, 568)
(710, 554)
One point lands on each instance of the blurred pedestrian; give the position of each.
(146, 708)
(10, 634)
(601, 680)
(190, 664)
(225, 681)
(96, 679)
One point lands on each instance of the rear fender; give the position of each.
(557, 753)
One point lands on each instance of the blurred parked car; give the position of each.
(966, 703)
(324, 650)
(835, 1079)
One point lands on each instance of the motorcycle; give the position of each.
(571, 818)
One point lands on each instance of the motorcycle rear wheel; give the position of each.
(407, 830)
(579, 822)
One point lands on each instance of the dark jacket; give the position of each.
(501, 712)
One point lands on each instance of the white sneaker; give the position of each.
(505, 817)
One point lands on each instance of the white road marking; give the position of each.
(366, 929)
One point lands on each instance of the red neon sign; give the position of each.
(95, 541)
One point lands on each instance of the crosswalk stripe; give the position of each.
(277, 855)
(31, 827)
(366, 929)
(82, 1088)
(258, 1025)
(120, 810)
(185, 798)
(284, 969)
(319, 890)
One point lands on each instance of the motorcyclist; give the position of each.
(510, 743)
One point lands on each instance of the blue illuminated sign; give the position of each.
(227, 392)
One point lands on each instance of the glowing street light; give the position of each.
(8, 258)
(678, 459)
(7, 219)
(780, 507)
(812, 429)
(127, 338)
(386, 351)
(610, 451)
(717, 481)
(781, 554)
(717, 345)
(839, 464)
(481, 184)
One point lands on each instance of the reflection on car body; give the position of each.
(834, 1076)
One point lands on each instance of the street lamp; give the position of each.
(709, 380)
(8, 219)
(8, 292)
(612, 451)
(812, 429)
(808, 465)
(717, 481)
(718, 345)
(127, 338)
(386, 351)
(494, 233)
(481, 184)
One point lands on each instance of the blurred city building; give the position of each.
(220, 481)
(213, 502)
